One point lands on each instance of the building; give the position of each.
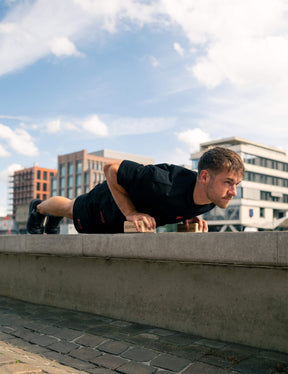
(262, 196)
(27, 184)
(8, 226)
(79, 172)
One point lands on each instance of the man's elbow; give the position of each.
(111, 168)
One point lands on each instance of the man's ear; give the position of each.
(204, 177)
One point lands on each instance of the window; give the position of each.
(78, 191)
(62, 170)
(79, 180)
(44, 186)
(262, 212)
(70, 181)
(195, 164)
(79, 166)
(62, 182)
(38, 174)
(87, 178)
(45, 175)
(38, 186)
(70, 168)
(70, 193)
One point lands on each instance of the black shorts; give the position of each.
(96, 212)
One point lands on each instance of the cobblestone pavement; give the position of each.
(41, 339)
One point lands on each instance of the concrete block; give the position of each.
(60, 245)
(283, 248)
(129, 227)
(193, 227)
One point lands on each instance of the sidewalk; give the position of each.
(40, 339)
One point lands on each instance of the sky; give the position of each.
(150, 77)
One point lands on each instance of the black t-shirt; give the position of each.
(163, 191)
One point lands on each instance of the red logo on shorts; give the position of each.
(102, 218)
(79, 223)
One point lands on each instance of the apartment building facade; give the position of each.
(31, 183)
(262, 196)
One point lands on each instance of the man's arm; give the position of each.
(123, 200)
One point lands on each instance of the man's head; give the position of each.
(218, 159)
(220, 170)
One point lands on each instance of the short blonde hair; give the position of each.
(218, 158)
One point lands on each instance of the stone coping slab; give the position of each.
(261, 248)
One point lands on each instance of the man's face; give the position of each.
(221, 188)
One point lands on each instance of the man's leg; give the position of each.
(58, 206)
(54, 208)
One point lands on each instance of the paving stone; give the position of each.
(90, 340)
(135, 368)
(219, 360)
(101, 371)
(256, 365)
(162, 332)
(181, 339)
(65, 333)
(170, 362)
(211, 343)
(109, 361)
(7, 329)
(34, 325)
(140, 354)
(43, 340)
(202, 368)
(238, 351)
(85, 354)
(275, 356)
(25, 334)
(113, 347)
(121, 323)
(63, 347)
(76, 364)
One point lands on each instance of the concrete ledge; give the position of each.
(262, 248)
(225, 286)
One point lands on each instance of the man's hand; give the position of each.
(135, 217)
(202, 225)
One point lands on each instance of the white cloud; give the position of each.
(19, 140)
(178, 48)
(95, 126)
(147, 125)
(53, 126)
(58, 125)
(3, 151)
(32, 30)
(63, 47)
(4, 179)
(154, 62)
(4, 174)
(193, 138)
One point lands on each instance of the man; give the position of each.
(155, 194)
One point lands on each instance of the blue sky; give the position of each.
(154, 78)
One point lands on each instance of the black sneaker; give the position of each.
(52, 225)
(35, 219)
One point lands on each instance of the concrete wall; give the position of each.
(226, 286)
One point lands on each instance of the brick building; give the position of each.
(31, 183)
